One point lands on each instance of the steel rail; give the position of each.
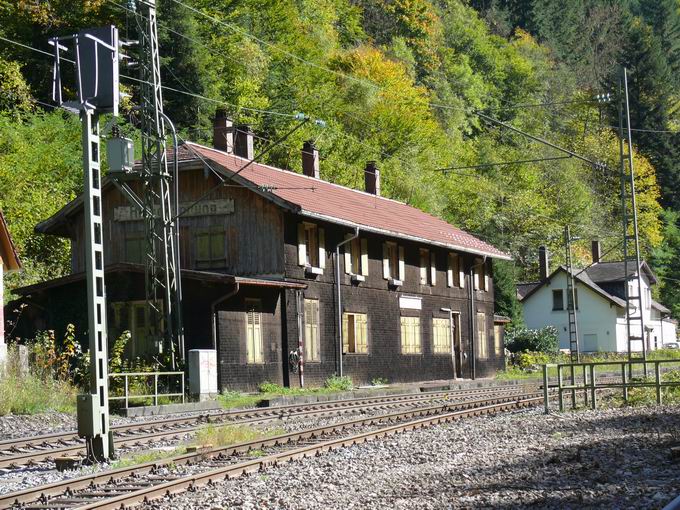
(69, 487)
(40, 441)
(195, 481)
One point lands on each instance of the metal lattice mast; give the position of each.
(571, 300)
(161, 268)
(635, 326)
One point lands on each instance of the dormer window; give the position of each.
(311, 247)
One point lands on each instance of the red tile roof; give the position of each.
(8, 251)
(340, 204)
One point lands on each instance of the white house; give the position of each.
(9, 261)
(600, 305)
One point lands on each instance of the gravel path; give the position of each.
(616, 458)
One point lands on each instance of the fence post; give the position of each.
(559, 388)
(657, 370)
(585, 386)
(182, 379)
(593, 402)
(155, 388)
(127, 403)
(625, 381)
(546, 405)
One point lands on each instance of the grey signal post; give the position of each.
(96, 56)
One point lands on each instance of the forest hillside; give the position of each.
(417, 85)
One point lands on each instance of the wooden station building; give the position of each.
(416, 293)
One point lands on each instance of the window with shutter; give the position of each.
(312, 342)
(441, 335)
(410, 335)
(312, 245)
(254, 345)
(355, 333)
(433, 268)
(391, 260)
(135, 248)
(210, 250)
(482, 347)
(424, 266)
(453, 275)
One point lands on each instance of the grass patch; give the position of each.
(227, 435)
(267, 390)
(148, 456)
(30, 393)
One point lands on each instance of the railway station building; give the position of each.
(414, 300)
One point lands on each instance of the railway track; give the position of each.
(43, 449)
(130, 486)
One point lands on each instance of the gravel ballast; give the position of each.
(615, 458)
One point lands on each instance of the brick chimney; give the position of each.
(372, 178)
(543, 263)
(596, 250)
(223, 134)
(310, 160)
(243, 141)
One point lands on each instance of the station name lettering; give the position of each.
(204, 208)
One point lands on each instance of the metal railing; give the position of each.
(155, 395)
(589, 383)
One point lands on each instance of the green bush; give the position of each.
(337, 383)
(268, 387)
(534, 340)
(32, 391)
(378, 381)
(531, 360)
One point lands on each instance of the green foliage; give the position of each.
(339, 383)
(379, 381)
(666, 263)
(267, 387)
(116, 360)
(543, 340)
(505, 293)
(34, 390)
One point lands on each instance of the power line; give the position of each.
(198, 96)
(504, 163)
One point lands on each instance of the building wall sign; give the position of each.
(204, 208)
(410, 302)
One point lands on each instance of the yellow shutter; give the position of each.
(257, 337)
(348, 254)
(322, 248)
(345, 332)
(364, 257)
(449, 271)
(302, 247)
(402, 267)
(433, 269)
(361, 325)
(386, 262)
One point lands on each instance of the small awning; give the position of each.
(187, 274)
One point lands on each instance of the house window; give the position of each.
(393, 261)
(453, 274)
(133, 316)
(312, 330)
(424, 266)
(410, 335)
(311, 245)
(558, 299)
(480, 275)
(356, 256)
(482, 348)
(210, 252)
(134, 249)
(441, 336)
(254, 345)
(355, 333)
(498, 331)
(569, 299)
(648, 295)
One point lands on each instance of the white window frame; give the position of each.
(356, 253)
(454, 274)
(304, 258)
(482, 339)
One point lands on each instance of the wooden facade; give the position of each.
(411, 310)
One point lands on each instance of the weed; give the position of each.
(147, 456)
(230, 434)
(339, 383)
(378, 381)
